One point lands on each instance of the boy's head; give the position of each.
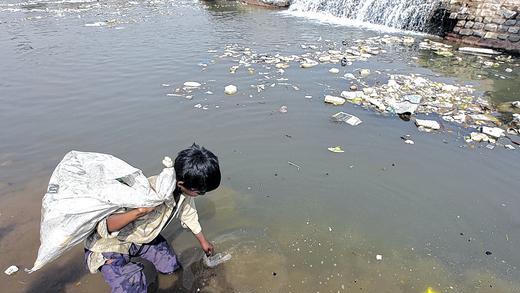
(197, 171)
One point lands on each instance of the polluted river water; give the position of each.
(381, 216)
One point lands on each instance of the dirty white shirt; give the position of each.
(141, 231)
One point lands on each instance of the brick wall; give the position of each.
(486, 23)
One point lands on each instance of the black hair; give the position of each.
(198, 168)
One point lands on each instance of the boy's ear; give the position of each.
(180, 183)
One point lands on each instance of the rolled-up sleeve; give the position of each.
(189, 217)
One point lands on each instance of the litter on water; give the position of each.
(430, 290)
(336, 149)
(11, 270)
(215, 260)
(345, 117)
(336, 101)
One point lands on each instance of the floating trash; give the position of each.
(215, 260)
(282, 65)
(493, 131)
(355, 97)
(430, 290)
(336, 149)
(233, 69)
(99, 23)
(349, 76)
(11, 270)
(407, 139)
(283, 109)
(336, 101)
(309, 64)
(427, 124)
(479, 137)
(230, 90)
(478, 51)
(192, 84)
(347, 118)
(334, 70)
(364, 72)
(444, 53)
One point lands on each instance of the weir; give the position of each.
(413, 15)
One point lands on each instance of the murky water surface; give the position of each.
(101, 76)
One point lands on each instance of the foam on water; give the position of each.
(384, 15)
(328, 18)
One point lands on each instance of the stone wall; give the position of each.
(486, 23)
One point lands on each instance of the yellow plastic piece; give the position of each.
(430, 290)
(356, 101)
(336, 149)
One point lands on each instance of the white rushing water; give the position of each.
(399, 14)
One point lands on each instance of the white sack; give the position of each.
(84, 189)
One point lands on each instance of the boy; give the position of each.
(135, 232)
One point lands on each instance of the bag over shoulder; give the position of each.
(86, 188)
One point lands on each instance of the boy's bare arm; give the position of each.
(205, 244)
(117, 222)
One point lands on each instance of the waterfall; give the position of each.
(400, 14)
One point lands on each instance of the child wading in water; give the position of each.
(136, 232)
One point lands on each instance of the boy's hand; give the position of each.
(207, 247)
(205, 244)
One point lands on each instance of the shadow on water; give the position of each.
(68, 273)
(194, 276)
(6, 230)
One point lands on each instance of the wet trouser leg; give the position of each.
(159, 253)
(122, 275)
(125, 276)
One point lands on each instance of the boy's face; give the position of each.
(189, 191)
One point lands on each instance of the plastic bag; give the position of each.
(215, 260)
(87, 187)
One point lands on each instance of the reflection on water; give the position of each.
(491, 75)
(96, 76)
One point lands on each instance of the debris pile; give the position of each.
(403, 95)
